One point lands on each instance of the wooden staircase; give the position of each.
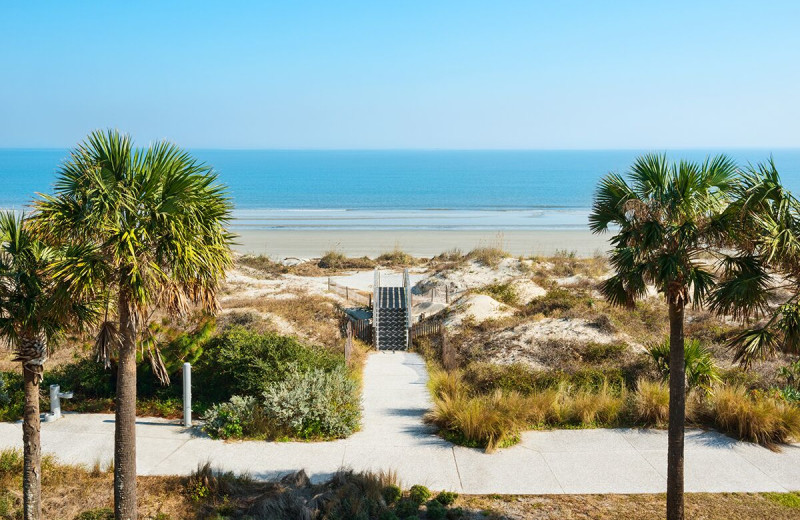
(391, 314)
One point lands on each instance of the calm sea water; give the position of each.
(397, 189)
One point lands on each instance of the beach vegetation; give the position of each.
(488, 256)
(336, 260)
(754, 416)
(146, 229)
(73, 490)
(396, 258)
(502, 292)
(700, 369)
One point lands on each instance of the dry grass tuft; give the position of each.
(651, 403)
(488, 256)
(754, 416)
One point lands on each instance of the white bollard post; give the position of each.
(187, 394)
(55, 402)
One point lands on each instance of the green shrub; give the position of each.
(12, 396)
(388, 515)
(103, 513)
(419, 494)
(447, 498)
(701, 371)
(502, 292)
(456, 513)
(5, 398)
(392, 493)
(87, 378)
(558, 300)
(406, 508)
(435, 510)
(314, 403)
(242, 362)
(336, 260)
(231, 419)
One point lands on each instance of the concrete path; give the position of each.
(395, 438)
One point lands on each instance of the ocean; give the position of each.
(403, 190)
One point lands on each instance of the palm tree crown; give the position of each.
(666, 219)
(34, 307)
(763, 265)
(147, 223)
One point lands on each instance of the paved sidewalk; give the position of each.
(394, 437)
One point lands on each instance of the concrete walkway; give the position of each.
(395, 438)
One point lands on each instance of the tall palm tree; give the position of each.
(35, 309)
(764, 240)
(665, 220)
(149, 227)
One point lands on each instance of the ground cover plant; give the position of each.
(86, 493)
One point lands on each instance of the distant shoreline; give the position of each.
(279, 244)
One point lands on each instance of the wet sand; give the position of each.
(280, 244)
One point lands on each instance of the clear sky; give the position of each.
(403, 74)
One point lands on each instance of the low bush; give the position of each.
(392, 493)
(336, 260)
(419, 494)
(315, 403)
(12, 396)
(502, 292)
(104, 513)
(754, 416)
(446, 498)
(435, 510)
(558, 301)
(242, 362)
(235, 418)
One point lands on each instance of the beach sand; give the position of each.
(280, 244)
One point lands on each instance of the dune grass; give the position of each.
(754, 416)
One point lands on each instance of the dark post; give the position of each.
(348, 346)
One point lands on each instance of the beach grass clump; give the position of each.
(754, 416)
(559, 301)
(335, 260)
(650, 403)
(587, 407)
(488, 256)
(502, 292)
(264, 264)
(396, 258)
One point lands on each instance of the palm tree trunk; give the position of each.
(32, 446)
(125, 506)
(677, 411)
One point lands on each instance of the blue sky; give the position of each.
(377, 74)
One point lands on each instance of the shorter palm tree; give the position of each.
(763, 267)
(34, 310)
